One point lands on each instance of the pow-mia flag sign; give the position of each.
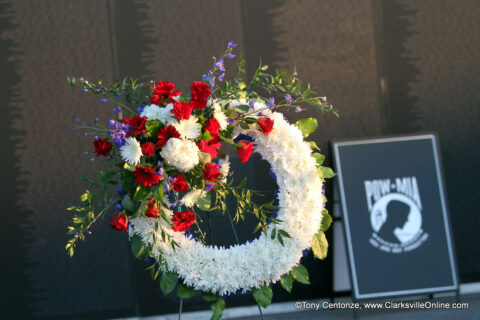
(395, 216)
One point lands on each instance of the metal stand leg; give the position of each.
(238, 242)
(180, 309)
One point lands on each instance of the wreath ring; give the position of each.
(262, 261)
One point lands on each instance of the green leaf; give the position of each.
(326, 220)
(263, 296)
(140, 193)
(185, 292)
(206, 136)
(217, 309)
(205, 202)
(158, 193)
(168, 282)
(129, 167)
(320, 245)
(209, 297)
(128, 204)
(326, 172)
(313, 145)
(287, 281)
(243, 108)
(300, 273)
(152, 127)
(307, 126)
(139, 249)
(284, 233)
(319, 158)
(251, 120)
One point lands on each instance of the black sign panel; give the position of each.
(395, 216)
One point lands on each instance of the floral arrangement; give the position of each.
(170, 173)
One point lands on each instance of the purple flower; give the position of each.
(85, 133)
(119, 132)
(212, 83)
(104, 100)
(206, 77)
(117, 109)
(118, 207)
(140, 108)
(96, 137)
(271, 103)
(120, 191)
(95, 120)
(330, 106)
(119, 96)
(230, 120)
(288, 98)
(231, 44)
(166, 188)
(251, 104)
(221, 76)
(230, 56)
(84, 90)
(298, 109)
(112, 124)
(219, 65)
(210, 186)
(74, 128)
(77, 120)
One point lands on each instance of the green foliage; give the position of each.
(185, 292)
(205, 202)
(326, 220)
(307, 126)
(287, 282)
(300, 273)
(325, 172)
(319, 158)
(320, 245)
(263, 296)
(168, 282)
(217, 307)
(139, 249)
(152, 127)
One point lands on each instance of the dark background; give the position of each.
(390, 67)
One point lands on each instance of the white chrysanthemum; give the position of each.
(188, 129)
(224, 168)
(191, 197)
(131, 151)
(154, 112)
(220, 116)
(182, 154)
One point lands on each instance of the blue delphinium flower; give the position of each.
(219, 65)
(140, 108)
(271, 103)
(206, 77)
(118, 207)
(230, 55)
(288, 98)
(95, 120)
(210, 186)
(119, 132)
(120, 191)
(104, 100)
(117, 109)
(221, 76)
(119, 96)
(232, 44)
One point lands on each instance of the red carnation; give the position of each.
(212, 126)
(210, 171)
(211, 146)
(266, 124)
(179, 183)
(181, 110)
(200, 93)
(245, 150)
(162, 91)
(146, 176)
(152, 209)
(102, 146)
(148, 149)
(137, 124)
(183, 220)
(166, 133)
(119, 221)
